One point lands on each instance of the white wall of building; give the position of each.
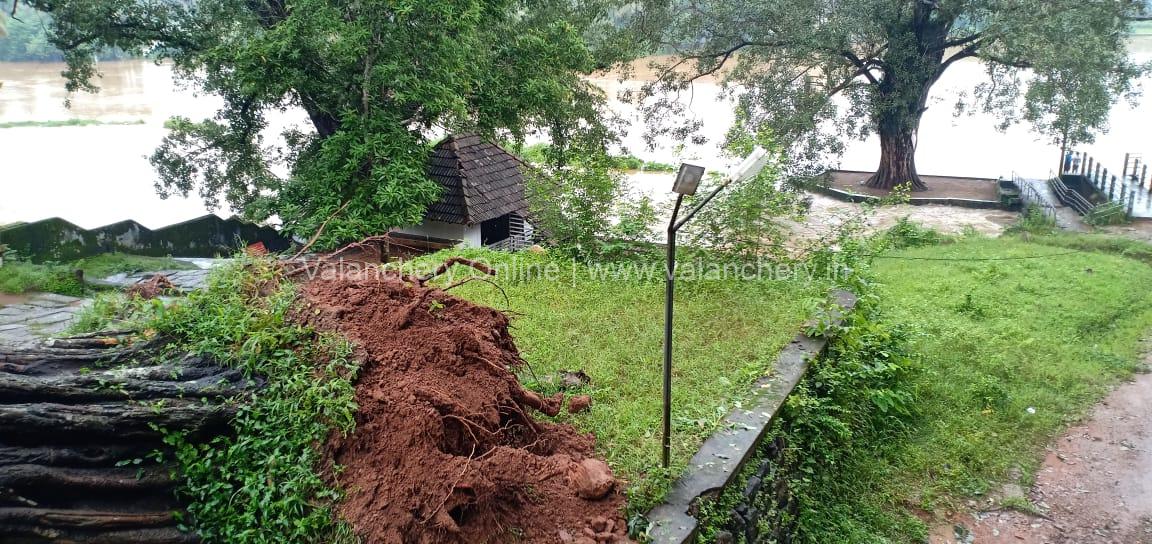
(469, 235)
(472, 236)
(438, 229)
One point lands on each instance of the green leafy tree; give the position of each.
(375, 77)
(24, 37)
(797, 67)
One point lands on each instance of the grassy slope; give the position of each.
(998, 338)
(19, 277)
(727, 335)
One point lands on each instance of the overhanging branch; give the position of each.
(863, 68)
(960, 41)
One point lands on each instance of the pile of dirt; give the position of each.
(445, 448)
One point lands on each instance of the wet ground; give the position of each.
(1137, 230)
(938, 186)
(26, 318)
(827, 213)
(1095, 485)
(9, 300)
(29, 317)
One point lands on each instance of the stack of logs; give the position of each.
(78, 422)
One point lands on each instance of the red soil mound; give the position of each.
(445, 448)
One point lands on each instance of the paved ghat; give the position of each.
(26, 319)
(40, 315)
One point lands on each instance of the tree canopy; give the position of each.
(798, 67)
(26, 39)
(375, 77)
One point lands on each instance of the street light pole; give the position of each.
(669, 288)
(687, 180)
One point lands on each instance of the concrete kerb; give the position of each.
(721, 457)
(958, 202)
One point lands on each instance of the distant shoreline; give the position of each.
(67, 123)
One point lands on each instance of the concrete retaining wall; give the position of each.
(960, 202)
(208, 236)
(724, 456)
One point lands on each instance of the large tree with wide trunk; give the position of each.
(816, 72)
(376, 78)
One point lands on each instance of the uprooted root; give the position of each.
(446, 448)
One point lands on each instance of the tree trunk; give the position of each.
(897, 158)
(912, 64)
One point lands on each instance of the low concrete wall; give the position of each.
(721, 459)
(208, 236)
(960, 202)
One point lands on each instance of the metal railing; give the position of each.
(1070, 198)
(520, 236)
(1031, 199)
(1130, 191)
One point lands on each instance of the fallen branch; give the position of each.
(320, 231)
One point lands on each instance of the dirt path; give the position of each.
(1095, 485)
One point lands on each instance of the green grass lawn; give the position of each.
(1013, 351)
(728, 333)
(19, 277)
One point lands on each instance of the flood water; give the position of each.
(94, 175)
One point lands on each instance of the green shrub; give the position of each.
(907, 233)
(1034, 221)
(20, 277)
(263, 483)
(854, 400)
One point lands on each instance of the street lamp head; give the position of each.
(751, 166)
(688, 179)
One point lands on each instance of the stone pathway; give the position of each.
(184, 280)
(42, 314)
(39, 315)
(1066, 218)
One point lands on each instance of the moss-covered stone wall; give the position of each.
(208, 236)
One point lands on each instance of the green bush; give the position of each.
(907, 233)
(20, 277)
(264, 483)
(1034, 221)
(854, 400)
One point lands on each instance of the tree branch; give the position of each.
(863, 68)
(960, 41)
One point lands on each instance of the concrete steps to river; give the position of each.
(41, 315)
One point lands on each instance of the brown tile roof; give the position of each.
(480, 181)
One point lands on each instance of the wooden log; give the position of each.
(86, 455)
(52, 423)
(45, 478)
(144, 383)
(56, 355)
(37, 525)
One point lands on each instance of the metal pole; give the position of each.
(669, 289)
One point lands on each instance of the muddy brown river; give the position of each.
(94, 175)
